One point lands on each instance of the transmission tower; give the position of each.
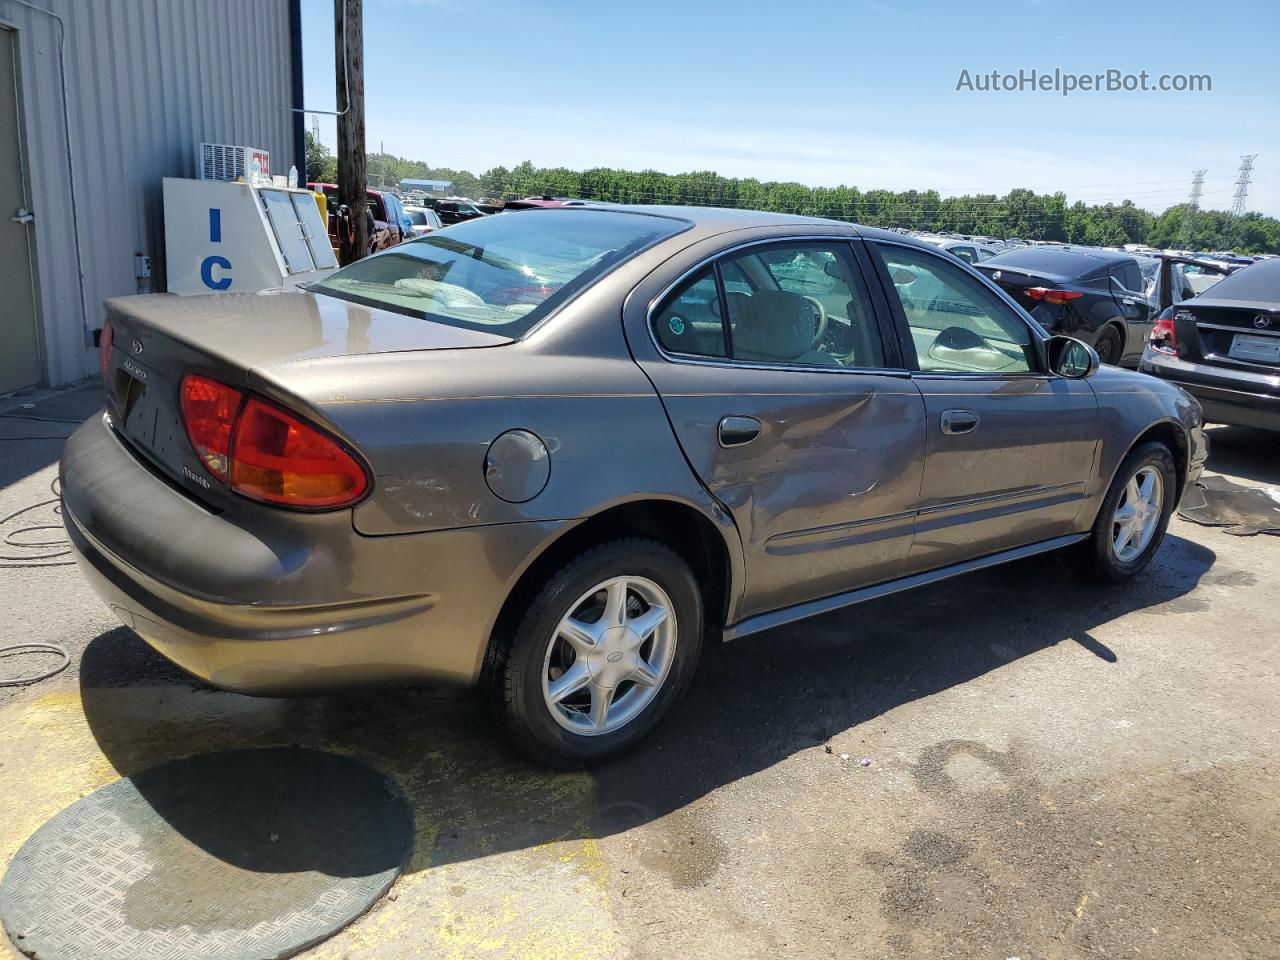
(315, 127)
(1193, 207)
(1240, 200)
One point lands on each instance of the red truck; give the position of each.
(385, 229)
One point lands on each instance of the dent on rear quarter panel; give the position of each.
(424, 421)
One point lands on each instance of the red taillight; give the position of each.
(1164, 337)
(280, 459)
(1050, 295)
(209, 410)
(104, 348)
(264, 452)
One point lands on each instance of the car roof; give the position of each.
(1058, 261)
(709, 221)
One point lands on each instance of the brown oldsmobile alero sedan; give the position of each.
(550, 452)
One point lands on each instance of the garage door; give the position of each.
(20, 358)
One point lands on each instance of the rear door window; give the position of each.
(801, 303)
(790, 304)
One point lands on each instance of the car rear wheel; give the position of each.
(601, 652)
(1134, 514)
(1108, 346)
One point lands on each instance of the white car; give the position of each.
(425, 220)
(969, 251)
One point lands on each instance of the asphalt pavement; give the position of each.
(1013, 763)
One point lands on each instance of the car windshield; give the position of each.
(501, 274)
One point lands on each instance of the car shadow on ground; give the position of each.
(752, 704)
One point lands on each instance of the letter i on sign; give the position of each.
(223, 281)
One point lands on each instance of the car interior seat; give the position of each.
(776, 325)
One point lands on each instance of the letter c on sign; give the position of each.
(206, 272)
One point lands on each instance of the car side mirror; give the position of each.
(1072, 358)
(902, 276)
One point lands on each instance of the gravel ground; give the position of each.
(1009, 764)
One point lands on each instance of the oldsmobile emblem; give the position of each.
(1261, 321)
(137, 345)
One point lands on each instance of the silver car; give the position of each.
(424, 219)
(554, 453)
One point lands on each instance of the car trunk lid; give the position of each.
(1017, 282)
(1228, 333)
(158, 339)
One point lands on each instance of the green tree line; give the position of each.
(1019, 213)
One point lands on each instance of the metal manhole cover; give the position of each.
(245, 854)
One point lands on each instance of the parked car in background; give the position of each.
(383, 232)
(1223, 347)
(969, 251)
(424, 220)
(801, 415)
(1170, 278)
(1201, 280)
(453, 210)
(1095, 295)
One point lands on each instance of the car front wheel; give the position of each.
(602, 651)
(1134, 514)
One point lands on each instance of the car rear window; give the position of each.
(503, 273)
(1259, 283)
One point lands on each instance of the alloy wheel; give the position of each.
(609, 655)
(1137, 515)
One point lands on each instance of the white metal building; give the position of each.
(99, 100)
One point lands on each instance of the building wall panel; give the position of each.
(146, 81)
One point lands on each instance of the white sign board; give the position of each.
(236, 238)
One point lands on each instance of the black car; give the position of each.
(1223, 347)
(453, 211)
(1094, 295)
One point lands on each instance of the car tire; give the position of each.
(1108, 346)
(525, 664)
(1104, 559)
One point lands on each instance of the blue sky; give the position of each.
(861, 92)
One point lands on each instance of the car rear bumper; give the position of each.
(1241, 399)
(302, 605)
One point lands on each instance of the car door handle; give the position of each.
(959, 421)
(738, 431)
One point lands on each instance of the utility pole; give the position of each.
(348, 33)
(1193, 208)
(1240, 200)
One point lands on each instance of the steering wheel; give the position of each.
(821, 332)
